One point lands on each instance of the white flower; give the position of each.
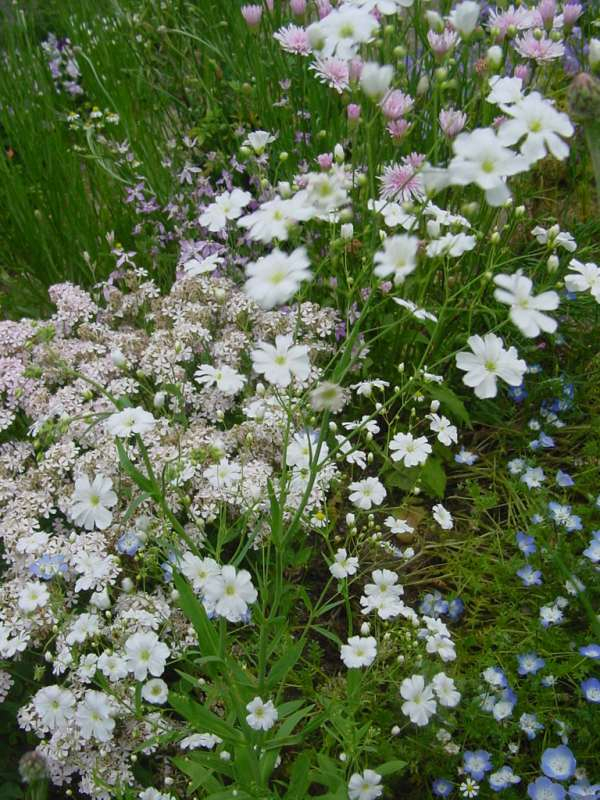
(443, 517)
(489, 361)
(54, 705)
(206, 740)
(91, 501)
(375, 79)
(480, 158)
(85, 626)
(505, 90)
(33, 595)
(352, 455)
(420, 703)
(282, 362)
(398, 525)
(328, 396)
(445, 690)
(226, 206)
(418, 313)
(541, 124)
(365, 786)
(274, 218)
(130, 420)
(146, 654)
(554, 237)
(464, 16)
(226, 379)
(343, 564)
(155, 691)
(198, 570)
(451, 244)
(525, 308)
(365, 388)
(398, 257)
(273, 279)
(367, 493)
(94, 716)
(262, 716)
(113, 666)
(446, 432)
(342, 31)
(229, 593)
(410, 450)
(302, 450)
(588, 278)
(200, 266)
(258, 140)
(225, 474)
(359, 652)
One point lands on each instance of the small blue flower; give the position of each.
(530, 725)
(440, 607)
(48, 566)
(441, 787)
(476, 763)
(530, 576)
(456, 609)
(584, 791)
(517, 393)
(558, 763)
(503, 778)
(167, 570)
(466, 457)
(536, 519)
(530, 664)
(525, 543)
(129, 543)
(590, 651)
(544, 789)
(564, 479)
(591, 690)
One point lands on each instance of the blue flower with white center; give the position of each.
(536, 519)
(558, 763)
(590, 651)
(503, 778)
(561, 515)
(466, 457)
(542, 442)
(530, 664)
(530, 576)
(548, 681)
(530, 725)
(584, 791)
(564, 480)
(48, 566)
(505, 705)
(495, 677)
(525, 543)
(545, 789)
(129, 543)
(456, 609)
(591, 690)
(476, 763)
(441, 787)
(517, 393)
(592, 551)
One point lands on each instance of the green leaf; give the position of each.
(203, 719)
(144, 483)
(451, 402)
(433, 476)
(281, 667)
(198, 774)
(299, 778)
(390, 767)
(194, 611)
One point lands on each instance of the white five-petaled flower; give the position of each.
(262, 716)
(445, 690)
(443, 517)
(155, 691)
(273, 279)
(367, 493)
(146, 654)
(33, 595)
(525, 308)
(54, 705)
(583, 278)
(91, 502)
(411, 450)
(223, 475)
(447, 433)
(258, 140)
(229, 593)
(226, 379)
(489, 361)
(201, 266)
(420, 704)
(281, 362)
(130, 420)
(359, 652)
(365, 785)
(226, 206)
(343, 564)
(536, 119)
(398, 257)
(94, 716)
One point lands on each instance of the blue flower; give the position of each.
(591, 690)
(466, 457)
(505, 705)
(456, 609)
(564, 479)
(558, 763)
(536, 519)
(441, 787)
(48, 566)
(476, 763)
(530, 576)
(591, 651)
(530, 663)
(502, 779)
(530, 725)
(561, 515)
(517, 393)
(544, 789)
(525, 543)
(129, 543)
(584, 791)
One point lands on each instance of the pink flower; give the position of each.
(518, 18)
(252, 14)
(298, 7)
(522, 71)
(401, 182)
(293, 39)
(398, 128)
(442, 43)
(571, 13)
(353, 112)
(452, 121)
(325, 160)
(333, 72)
(541, 50)
(323, 8)
(395, 104)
